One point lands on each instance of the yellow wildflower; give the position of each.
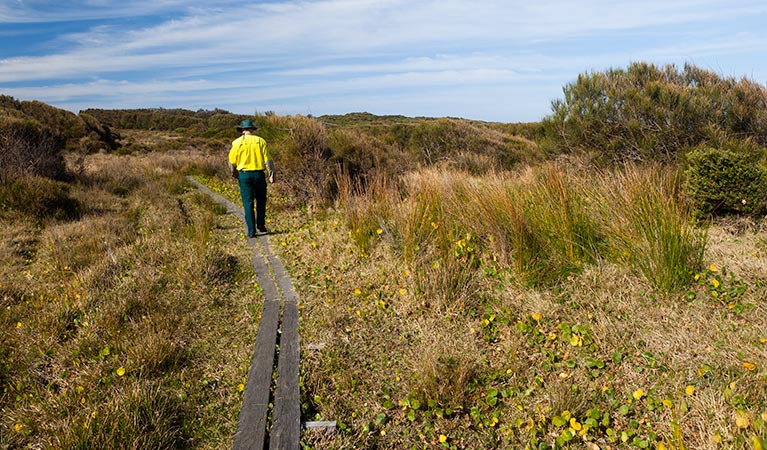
(689, 390)
(742, 420)
(638, 394)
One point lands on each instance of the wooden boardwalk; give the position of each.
(278, 330)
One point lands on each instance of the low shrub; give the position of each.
(28, 148)
(727, 181)
(39, 198)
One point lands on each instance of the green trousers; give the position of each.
(253, 191)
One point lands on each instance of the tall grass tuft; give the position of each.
(649, 226)
(545, 223)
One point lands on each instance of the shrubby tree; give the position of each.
(651, 113)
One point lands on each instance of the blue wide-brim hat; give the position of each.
(247, 124)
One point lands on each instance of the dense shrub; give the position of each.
(39, 198)
(78, 132)
(444, 140)
(27, 148)
(303, 156)
(61, 121)
(728, 180)
(650, 113)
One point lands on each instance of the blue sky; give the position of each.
(488, 60)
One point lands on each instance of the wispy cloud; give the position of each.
(317, 55)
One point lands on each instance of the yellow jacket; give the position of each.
(249, 152)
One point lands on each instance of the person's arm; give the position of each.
(270, 170)
(269, 163)
(233, 162)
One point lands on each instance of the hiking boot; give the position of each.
(262, 230)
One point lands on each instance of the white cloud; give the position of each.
(325, 50)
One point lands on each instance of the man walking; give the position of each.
(250, 161)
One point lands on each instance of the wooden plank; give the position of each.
(251, 426)
(323, 425)
(286, 421)
(286, 418)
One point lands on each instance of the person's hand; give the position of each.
(271, 178)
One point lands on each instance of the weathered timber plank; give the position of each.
(251, 426)
(286, 418)
(286, 422)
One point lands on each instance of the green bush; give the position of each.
(727, 181)
(39, 198)
(649, 113)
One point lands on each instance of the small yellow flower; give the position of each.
(434, 225)
(442, 438)
(536, 317)
(668, 403)
(576, 341)
(379, 231)
(402, 291)
(715, 283)
(716, 437)
(742, 420)
(713, 268)
(574, 424)
(240, 387)
(121, 371)
(357, 292)
(18, 427)
(638, 394)
(689, 390)
(749, 366)
(18, 324)
(660, 446)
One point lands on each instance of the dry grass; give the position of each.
(131, 326)
(425, 334)
(601, 349)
